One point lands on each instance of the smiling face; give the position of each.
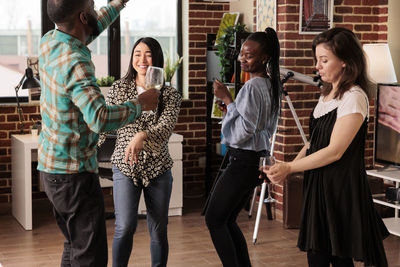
(329, 66)
(251, 57)
(141, 59)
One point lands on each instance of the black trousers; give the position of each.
(321, 259)
(79, 211)
(228, 197)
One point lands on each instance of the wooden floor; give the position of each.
(190, 244)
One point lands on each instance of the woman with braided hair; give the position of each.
(247, 127)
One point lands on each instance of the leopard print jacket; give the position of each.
(154, 159)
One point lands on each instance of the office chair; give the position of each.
(104, 153)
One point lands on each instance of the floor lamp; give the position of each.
(27, 81)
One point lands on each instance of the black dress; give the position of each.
(338, 215)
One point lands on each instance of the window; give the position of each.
(99, 47)
(20, 33)
(143, 18)
(140, 18)
(19, 38)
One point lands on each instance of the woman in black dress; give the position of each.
(339, 222)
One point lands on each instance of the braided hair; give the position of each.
(269, 44)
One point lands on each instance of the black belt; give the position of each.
(244, 152)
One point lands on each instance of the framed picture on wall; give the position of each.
(228, 19)
(315, 16)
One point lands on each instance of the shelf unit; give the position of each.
(392, 224)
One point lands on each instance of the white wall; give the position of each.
(393, 34)
(245, 8)
(185, 48)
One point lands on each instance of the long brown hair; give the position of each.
(156, 55)
(344, 44)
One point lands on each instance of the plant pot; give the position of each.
(34, 132)
(104, 90)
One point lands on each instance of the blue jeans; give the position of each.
(126, 201)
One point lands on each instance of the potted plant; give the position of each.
(170, 68)
(36, 127)
(104, 83)
(225, 49)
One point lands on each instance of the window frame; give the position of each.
(113, 48)
(114, 42)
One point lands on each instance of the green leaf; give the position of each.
(105, 81)
(171, 67)
(224, 43)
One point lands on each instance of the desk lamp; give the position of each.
(27, 81)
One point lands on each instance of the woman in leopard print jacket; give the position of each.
(141, 161)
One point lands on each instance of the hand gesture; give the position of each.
(277, 172)
(222, 92)
(134, 147)
(149, 99)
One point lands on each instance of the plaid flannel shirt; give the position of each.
(73, 109)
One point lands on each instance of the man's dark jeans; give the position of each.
(79, 211)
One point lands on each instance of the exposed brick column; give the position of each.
(204, 18)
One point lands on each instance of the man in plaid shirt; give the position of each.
(74, 112)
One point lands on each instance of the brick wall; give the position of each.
(204, 18)
(9, 125)
(255, 16)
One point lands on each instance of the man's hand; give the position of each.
(149, 99)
